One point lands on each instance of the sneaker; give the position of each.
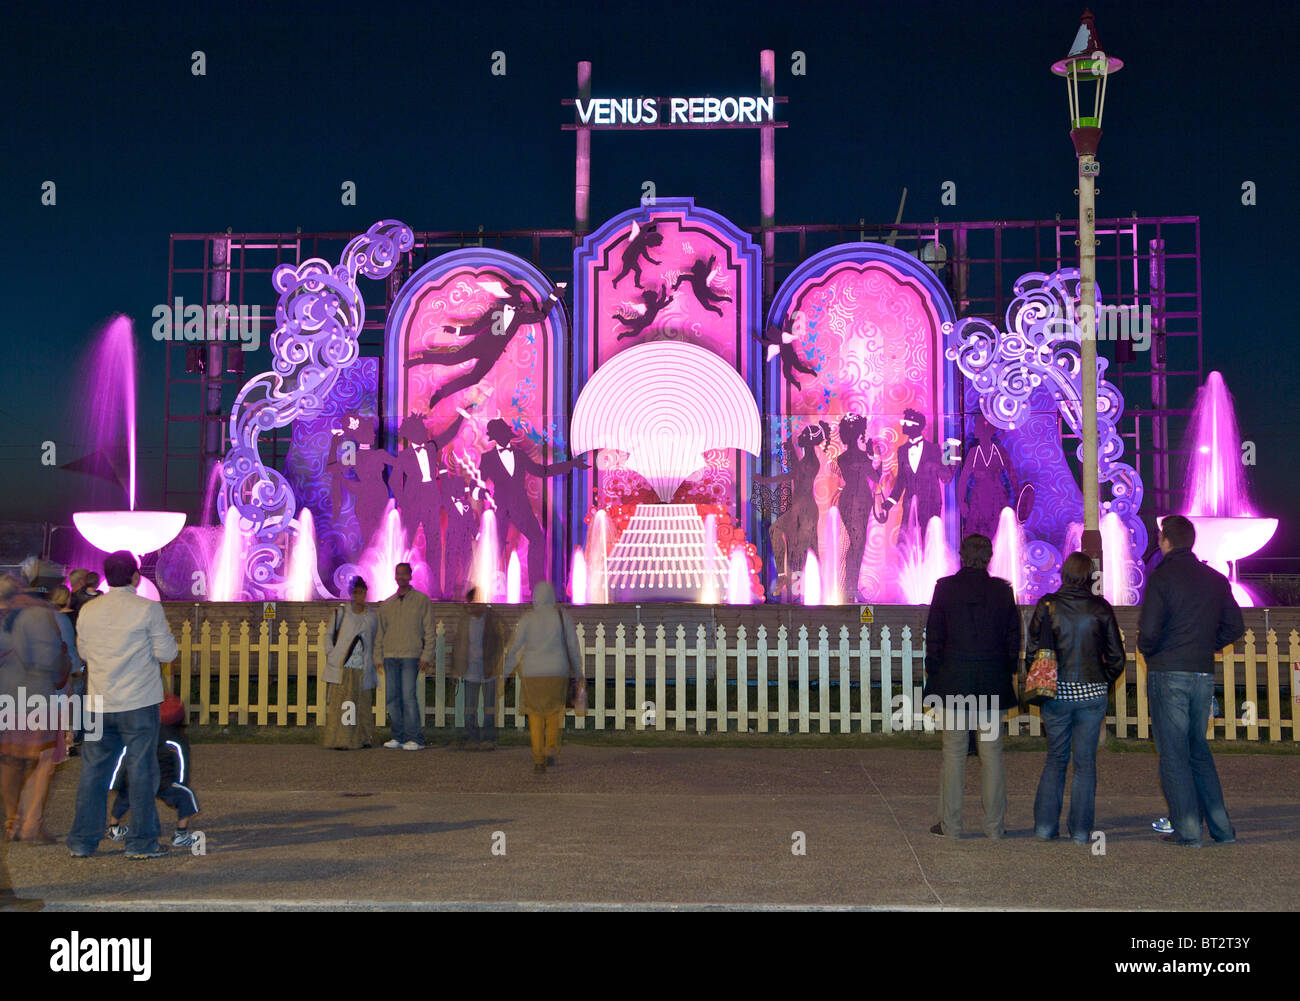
(1162, 826)
(77, 854)
(411, 745)
(118, 832)
(159, 850)
(937, 830)
(393, 744)
(183, 839)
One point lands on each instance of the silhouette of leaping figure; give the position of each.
(781, 341)
(699, 276)
(642, 316)
(489, 336)
(638, 246)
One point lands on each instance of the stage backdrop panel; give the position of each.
(667, 271)
(484, 331)
(861, 328)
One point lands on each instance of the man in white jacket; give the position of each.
(124, 639)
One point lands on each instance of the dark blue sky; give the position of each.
(400, 99)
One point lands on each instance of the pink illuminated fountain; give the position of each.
(113, 367)
(1216, 495)
(923, 565)
(1009, 553)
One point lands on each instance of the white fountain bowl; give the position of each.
(138, 532)
(1220, 541)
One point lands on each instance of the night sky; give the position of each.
(400, 99)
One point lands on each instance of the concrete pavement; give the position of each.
(302, 826)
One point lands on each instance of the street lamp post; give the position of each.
(1087, 68)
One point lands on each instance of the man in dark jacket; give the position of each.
(1188, 612)
(972, 651)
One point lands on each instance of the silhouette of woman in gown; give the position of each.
(794, 533)
(860, 469)
(987, 483)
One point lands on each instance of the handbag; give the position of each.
(1040, 682)
(577, 699)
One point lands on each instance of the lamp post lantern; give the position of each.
(1086, 69)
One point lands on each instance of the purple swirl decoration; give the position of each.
(318, 322)
(1021, 378)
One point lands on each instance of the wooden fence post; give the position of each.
(864, 675)
(661, 679)
(679, 676)
(223, 676)
(243, 673)
(205, 672)
(760, 674)
(263, 671)
(846, 689)
(783, 680)
(886, 681)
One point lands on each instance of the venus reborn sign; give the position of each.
(675, 110)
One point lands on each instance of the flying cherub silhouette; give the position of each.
(638, 318)
(490, 334)
(781, 341)
(700, 275)
(638, 246)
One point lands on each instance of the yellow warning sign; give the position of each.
(268, 610)
(866, 615)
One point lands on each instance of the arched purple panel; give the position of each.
(667, 271)
(858, 331)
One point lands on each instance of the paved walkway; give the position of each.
(306, 827)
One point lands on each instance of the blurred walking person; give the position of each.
(350, 677)
(33, 664)
(544, 650)
(476, 662)
(1080, 628)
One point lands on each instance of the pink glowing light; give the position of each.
(812, 580)
(111, 372)
(387, 549)
(1117, 561)
(486, 574)
(597, 559)
(738, 590)
(1009, 552)
(226, 583)
(1216, 478)
(665, 403)
(301, 585)
(578, 576)
(923, 565)
(712, 558)
(662, 555)
(834, 533)
(514, 585)
(137, 532)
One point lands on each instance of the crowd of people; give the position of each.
(72, 640)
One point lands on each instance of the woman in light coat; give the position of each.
(544, 650)
(350, 675)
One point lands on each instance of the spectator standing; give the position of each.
(1188, 613)
(124, 639)
(404, 646)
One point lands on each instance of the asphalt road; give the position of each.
(305, 827)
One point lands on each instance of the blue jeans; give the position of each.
(489, 690)
(1073, 730)
(1180, 712)
(136, 731)
(402, 677)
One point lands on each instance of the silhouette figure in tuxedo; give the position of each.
(700, 274)
(642, 316)
(638, 246)
(507, 468)
(920, 479)
(489, 336)
(780, 341)
(859, 464)
(416, 487)
(794, 533)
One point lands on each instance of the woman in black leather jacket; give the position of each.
(1089, 657)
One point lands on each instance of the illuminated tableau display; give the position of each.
(869, 322)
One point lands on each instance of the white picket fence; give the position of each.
(760, 684)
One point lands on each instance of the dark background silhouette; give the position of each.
(399, 98)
